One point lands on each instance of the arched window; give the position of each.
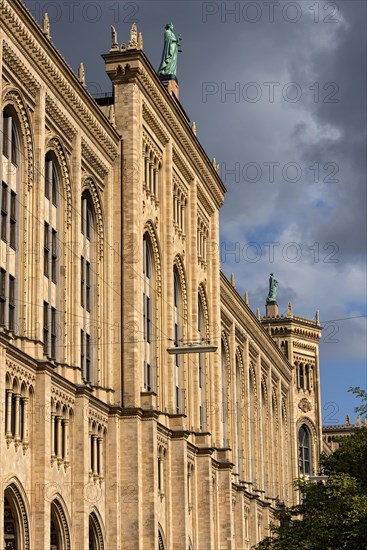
(51, 247)
(301, 376)
(264, 439)
(10, 137)
(177, 320)
(201, 331)
(10, 189)
(224, 394)
(304, 441)
(148, 298)
(238, 419)
(252, 430)
(87, 286)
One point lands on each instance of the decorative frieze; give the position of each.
(94, 163)
(61, 122)
(155, 126)
(19, 69)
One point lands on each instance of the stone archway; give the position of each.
(16, 526)
(59, 529)
(95, 533)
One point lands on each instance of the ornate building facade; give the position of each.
(109, 255)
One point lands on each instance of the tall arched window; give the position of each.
(201, 331)
(238, 419)
(177, 320)
(304, 442)
(10, 188)
(86, 286)
(264, 438)
(51, 257)
(224, 394)
(252, 430)
(148, 299)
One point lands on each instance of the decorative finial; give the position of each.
(258, 314)
(358, 422)
(140, 41)
(216, 165)
(46, 26)
(347, 421)
(81, 73)
(114, 43)
(246, 298)
(289, 310)
(111, 115)
(317, 318)
(233, 282)
(133, 44)
(193, 127)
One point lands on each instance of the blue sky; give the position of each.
(278, 94)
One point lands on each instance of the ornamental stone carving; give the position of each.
(305, 405)
(14, 98)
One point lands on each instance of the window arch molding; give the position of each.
(161, 538)
(15, 493)
(310, 425)
(59, 514)
(95, 520)
(241, 367)
(150, 231)
(264, 395)
(178, 264)
(205, 307)
(13, 99)
(54, 145)
(89, 185)
(224, 339)
(252, 378)
(274, 402)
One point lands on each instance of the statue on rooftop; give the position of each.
(273, 288)
(171, 48)
(114, 45)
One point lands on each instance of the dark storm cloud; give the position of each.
(323, 54)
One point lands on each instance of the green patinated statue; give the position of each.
(170, 50)
(273, 288)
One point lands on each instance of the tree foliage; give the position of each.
(362, 394)
(332, 514)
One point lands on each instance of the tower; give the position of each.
(298, 338)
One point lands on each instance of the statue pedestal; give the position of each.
(171, 83)
(272, 309)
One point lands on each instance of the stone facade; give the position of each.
(109, 255)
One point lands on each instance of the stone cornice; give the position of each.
(56, 73)
(132, 66)
(231, 300)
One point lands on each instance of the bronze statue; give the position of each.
(170, 50)
(273, 287)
